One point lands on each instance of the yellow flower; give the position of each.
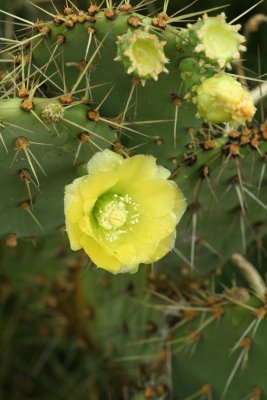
(124, 212)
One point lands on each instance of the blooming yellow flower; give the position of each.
(124, 212)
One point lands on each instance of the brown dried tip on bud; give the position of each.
(177, 100)
(93, 115)
(38, 24)
(256, 394)
(254, 143)
(62, 228)
(135, 81)
(90, 18)
(163, 15)
(159, 22)
(234, 150)
(61, 39)
(68, 11)
(45, 31)
(246, 343)
(27, 105)
(117, 147)
(110, 13)
(74, 18)
(209, 145)
(204, 173)
(207, 389)
(93, 9)
(25, 205)
(233, 134)
(244, 140)
(23, 93)
(81, 17)
(83, 65)
(84, 137)
(218, 311)
(69, 23)
(11, 240)
(24, 174)
(134, 21)
(21, 143)
(158, 141)
(91, 30)
(59, 19)
(66, 99)
(127, 7)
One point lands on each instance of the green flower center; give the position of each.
(115, 215)
(145, 54)
(220, 41)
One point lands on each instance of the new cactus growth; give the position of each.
(135, 126)
(142, 54)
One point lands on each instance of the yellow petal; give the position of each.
(94, 185)
(126, 253)
(156, 197)
(153, 230)
(133, 169)
(73, 202)
(74, 234)
(104, 160)
(164, 247)
(100, 255)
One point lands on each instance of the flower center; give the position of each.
(145, 54)
(115, 214)
(223, 48)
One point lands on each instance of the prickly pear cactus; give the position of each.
(90, 101)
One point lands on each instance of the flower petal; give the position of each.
(73, 201)
(94, 185)
(156, 197)
(153, 230)
(104, 160)
(74, 234)
(135, 168)
(164, 247)
(100, 255)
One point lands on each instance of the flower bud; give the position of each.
(223, 99)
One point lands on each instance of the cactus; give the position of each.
(111, 77)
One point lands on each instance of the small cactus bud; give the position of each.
(142, 54)
(214, 41)
(223, 99)
(52, 113)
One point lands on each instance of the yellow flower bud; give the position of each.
(124, 212)
(221, 98)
